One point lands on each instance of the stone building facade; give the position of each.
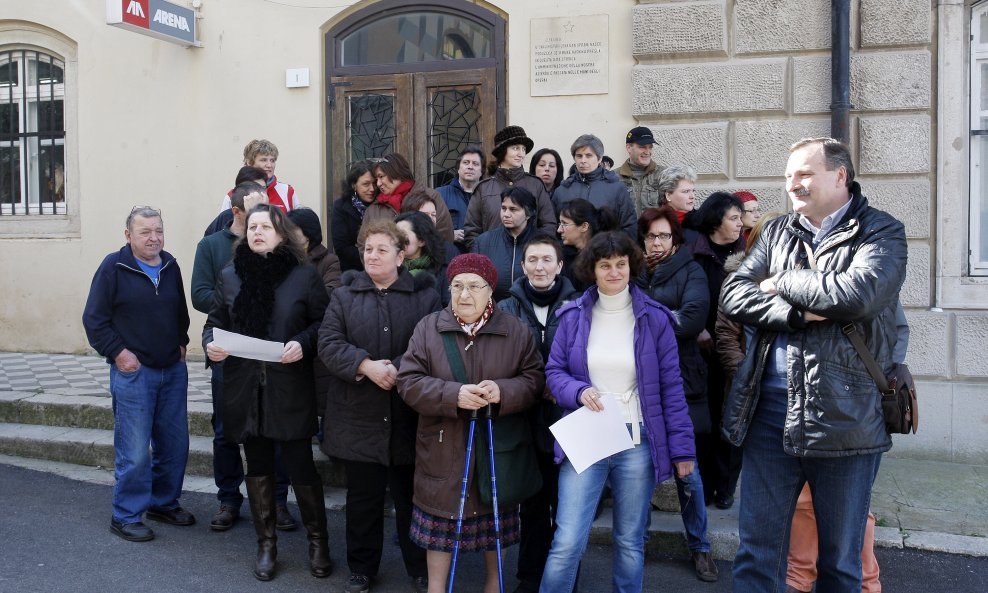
(726, 86)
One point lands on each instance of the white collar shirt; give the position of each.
(828, 224)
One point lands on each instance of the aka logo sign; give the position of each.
(135, 9)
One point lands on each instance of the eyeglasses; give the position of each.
(651, 237)
(474, 289)
(566, 225)
(749, 210)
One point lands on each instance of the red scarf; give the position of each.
(680, 216)
(471, 329)
(394, 199)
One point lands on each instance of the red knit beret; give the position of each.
(745, 196)
(473, 263)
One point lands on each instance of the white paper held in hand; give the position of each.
(248, 347)
(587, 436)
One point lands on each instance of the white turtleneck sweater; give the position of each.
(611, 352)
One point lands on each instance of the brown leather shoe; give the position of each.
(224, 518)
(706, 568)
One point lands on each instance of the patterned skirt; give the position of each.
(439, 533)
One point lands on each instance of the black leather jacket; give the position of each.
(834, 407)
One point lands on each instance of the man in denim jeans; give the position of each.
(802, 406)
(137, 318)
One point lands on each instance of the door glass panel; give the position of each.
(370, 126)
(10, 118)
(416, 37)
(10, 177)
(984, 86)
(454, 117)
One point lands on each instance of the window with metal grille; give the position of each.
(32, 133)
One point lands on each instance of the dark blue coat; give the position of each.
(126, 310)
(680, 284)
(506, 252)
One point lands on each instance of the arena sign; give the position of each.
(156, 18)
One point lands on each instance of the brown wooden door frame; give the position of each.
(353, 76)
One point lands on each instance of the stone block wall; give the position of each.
(728, 85)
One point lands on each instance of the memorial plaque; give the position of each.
(569, 55)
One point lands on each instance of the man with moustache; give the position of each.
(803, 407)
(640, 173)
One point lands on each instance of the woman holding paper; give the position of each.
(615, 342)
(267, 293)
(502, 372)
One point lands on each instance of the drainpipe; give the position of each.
(840, 73)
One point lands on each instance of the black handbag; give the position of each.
(898, 390)
(517, 467)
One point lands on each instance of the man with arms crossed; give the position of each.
(803, 406)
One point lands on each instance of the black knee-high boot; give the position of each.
(263, 509)
(312, 506)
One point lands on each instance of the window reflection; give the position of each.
(416, 37)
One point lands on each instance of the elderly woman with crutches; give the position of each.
(470, 361)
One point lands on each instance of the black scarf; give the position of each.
(259, 276)
(542, 298)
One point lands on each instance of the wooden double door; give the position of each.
(427, 117)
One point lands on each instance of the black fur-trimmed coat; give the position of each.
(362, 422)
(285, 409)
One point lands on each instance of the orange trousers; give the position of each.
(803, 549)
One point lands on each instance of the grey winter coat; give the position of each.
(601, 188)
(833, 404)
(363, 422)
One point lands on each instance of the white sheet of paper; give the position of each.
(247, 347)
(587, 437)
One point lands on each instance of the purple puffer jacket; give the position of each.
(660, 387)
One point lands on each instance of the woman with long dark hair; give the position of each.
(267, 293)
(717, 225)
(426, 251)
(358, 193)
(547, 165)
(579, 221)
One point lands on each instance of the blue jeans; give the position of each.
(631, 477)
(772, 480)
(150, 439)
(694, 510)
(228, 469)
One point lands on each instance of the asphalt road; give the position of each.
(55, 538)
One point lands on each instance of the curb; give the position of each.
(665, 534)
